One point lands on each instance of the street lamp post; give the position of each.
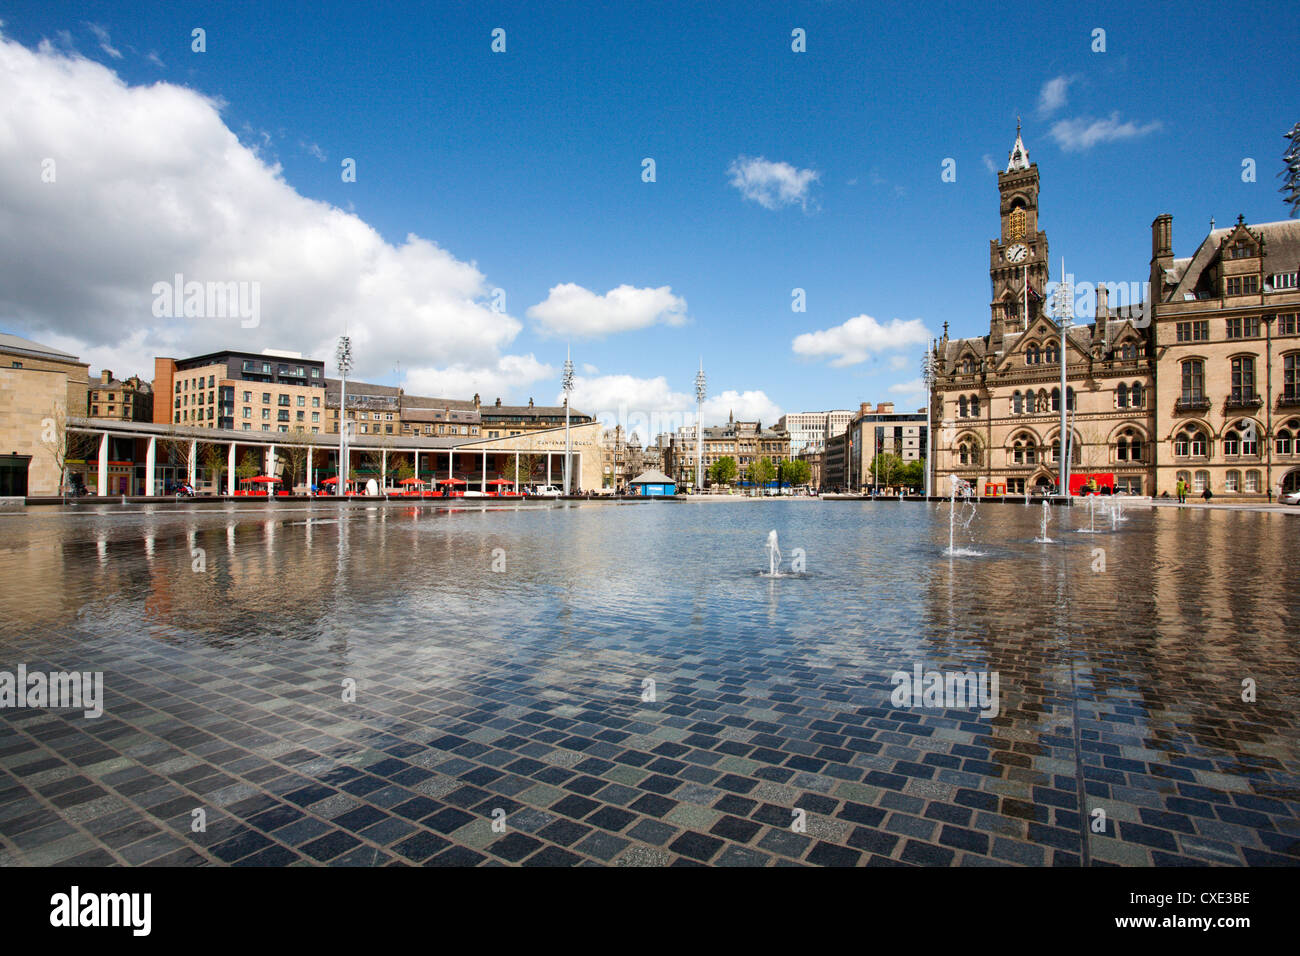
(927, 376)
(699, 427)
(1064, 314)
(344, 356)
(567, 383)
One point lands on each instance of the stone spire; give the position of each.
(1019, 158)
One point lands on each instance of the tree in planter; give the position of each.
(400, 467)
(213, 459)
(521, 473)
(177, 450)
(291, 449)
(723, 471)
(248, 467)
(886, 466)
(63, 447)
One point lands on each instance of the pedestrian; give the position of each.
(1207, 494)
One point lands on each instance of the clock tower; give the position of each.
(1020, 254)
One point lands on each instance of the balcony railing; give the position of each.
(1243, 401)
(1288, 401)
(1184, 405)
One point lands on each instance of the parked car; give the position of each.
(1290, 498)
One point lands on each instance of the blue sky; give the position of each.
(527, 167)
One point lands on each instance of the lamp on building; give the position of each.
(567, 384)
(700, 391)
(344, 356)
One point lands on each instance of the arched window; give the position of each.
(1190, 443)
(1017, 403)
(1128, 447)
(1252, 482)
(1128, 352)
(1135, 395)
(968, 366)
(1069, 397)
(1056, 399)
(1232, 481)
(968, 452)
(1201, 481)
(1031, 403)
(1291, 377)
(1032, 355)
(1023, 451)
(1121, 396)
(1284, 443)
(961, 407)
(974, 406)
(1051, 354)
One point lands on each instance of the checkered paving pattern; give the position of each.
(499, 718)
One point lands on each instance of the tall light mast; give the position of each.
(1064, 313)
(567, 383)
(344, 356)
(700, 392)
(928, 365)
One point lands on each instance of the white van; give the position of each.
(545, 491)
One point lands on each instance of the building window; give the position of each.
(1017, 403)
(1051, 354)
(1201, 481)
(1243, 327)
(1032, 355)
(1291, 377)
(1232, 482)
(302, 401)
(315, 416)
(1129, 446)
(315, 401)
(1284, 443)
(1136, 395)
(1286, 324)
(248, 427)
(1232, 285)
(1193, 331)
(248, 412)
(1193, 381)
(961, 407)
(1121, 396)
(1284, 280)
(974, 406)
(284, 400)
(266, 398)
(1243, 379)
(1190, 443)
(1252, 482)
(1128, 352)
(266, 414)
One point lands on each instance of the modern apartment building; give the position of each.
(269, 391)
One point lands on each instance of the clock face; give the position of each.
(1017, 253)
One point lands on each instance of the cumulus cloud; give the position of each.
(150, 182)
(508, 377)
(860, 338)
(1082, 133)
(915, 387)
(989, 164)
(1053, 95)
(772, 185)
(571, 310)
(649, 406)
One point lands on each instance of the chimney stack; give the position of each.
(105, 376)
(864, 408)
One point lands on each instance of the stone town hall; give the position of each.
(1202, 383)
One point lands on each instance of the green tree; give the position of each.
(795, 472)
(723, 471)
(213, 459)
(522, 474)
(248, 466)
(761, 472)
(913, 475)
(886, 467)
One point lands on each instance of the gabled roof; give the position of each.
(1281, 251)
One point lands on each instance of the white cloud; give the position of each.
(1075, 135)
(314, 150)
(898, 362)
(571, 310)
(105, 41)
(989, 164)
(914, 387)
(506, 379)
(589, 369)
(772, 185)
(649, 406)
(156, 60)
(859, 338)
(151, 182)
(1053, 95)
